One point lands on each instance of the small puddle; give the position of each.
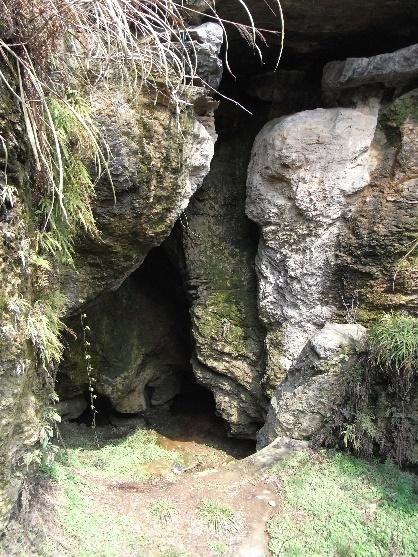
(198, 436)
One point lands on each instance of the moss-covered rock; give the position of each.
(157, 161)
(21, 389)
(219, 247)
(377, 257)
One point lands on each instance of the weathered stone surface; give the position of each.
(155, 171)
(158, 159)
(22, 392)
(390, 69)
(376, 263)
(314, 387)
(207, 42)
(72, 408)
(366, 244)
(136, 346)
(303, 172)
(219, 248)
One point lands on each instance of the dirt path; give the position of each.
(245, 487)
(252, 499)
(195, 493)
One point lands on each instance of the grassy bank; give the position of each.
(336, 505)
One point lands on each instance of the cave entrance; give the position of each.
(144, 327)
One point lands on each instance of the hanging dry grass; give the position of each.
(44, 44)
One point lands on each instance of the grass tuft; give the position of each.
(394, 342)
(163, 509)
(219, 517)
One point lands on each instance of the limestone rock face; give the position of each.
(207, 42)
(303, 173)
(376, 262)
(154, 173)
(219, 249)
(338, 244)
(155, 169)
(391, 69)
(315, 385)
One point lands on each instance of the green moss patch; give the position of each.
(397, 113)
(222, 318)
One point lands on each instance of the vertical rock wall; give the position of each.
(303, 172)
(334, 193)
(219, 248)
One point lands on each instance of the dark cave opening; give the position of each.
(178, 408)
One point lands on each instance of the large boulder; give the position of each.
(304, 173)
(147, 195)
(315, 386)
(338, 244)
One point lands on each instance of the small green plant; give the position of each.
(61, 217)
(163, 509)
(360, 434)
(394, 343)
(218, 548)
(44, 327)
(220, 517)
(89, 368)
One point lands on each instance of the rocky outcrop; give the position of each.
(376, 261)
(333, 191)
(392, 70)
(315, 386)
(334, 247)
(303, 173)
(158, 159)
(150, 188)
(219, 249)
(22, 391)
